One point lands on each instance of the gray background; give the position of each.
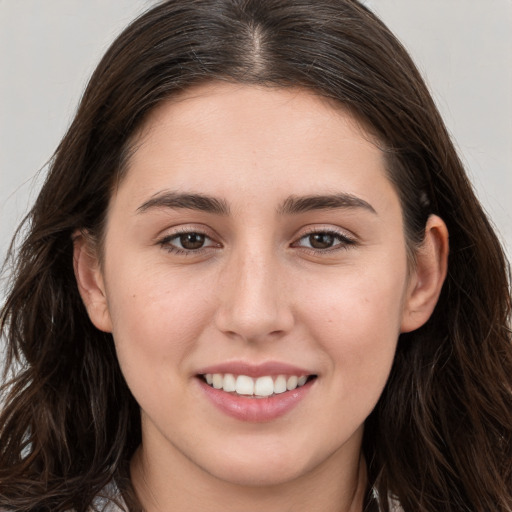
(48, 49)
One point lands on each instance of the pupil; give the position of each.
(192, 240)
(321, 240)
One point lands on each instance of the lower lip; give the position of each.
(256, 410)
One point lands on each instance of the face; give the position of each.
(255, 280)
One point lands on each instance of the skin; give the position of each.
(256, 291)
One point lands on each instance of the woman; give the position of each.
(257, 278)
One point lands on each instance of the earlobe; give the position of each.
(90, 282)
(428, 277)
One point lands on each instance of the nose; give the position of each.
(254, 302)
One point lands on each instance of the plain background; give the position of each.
(48, 49)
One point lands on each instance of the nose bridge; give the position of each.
(253, 305)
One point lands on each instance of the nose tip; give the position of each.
(254, 327)
(253, 303)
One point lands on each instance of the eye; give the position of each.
(324, 241)
(187, 242)
(190, 241)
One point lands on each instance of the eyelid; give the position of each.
(346, 239)
(165, 238)
(183, 229)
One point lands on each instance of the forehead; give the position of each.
(218, 102)
(223, 138)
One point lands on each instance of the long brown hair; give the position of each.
(440, 438)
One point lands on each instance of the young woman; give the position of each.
(257, 278)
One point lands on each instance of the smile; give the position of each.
(261, 398)
(261, 387)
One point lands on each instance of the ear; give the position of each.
(90, 282)
(428, 275)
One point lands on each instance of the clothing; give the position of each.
(101, 505)
(106, 500)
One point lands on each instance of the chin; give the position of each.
(261, 466)
(261, 475)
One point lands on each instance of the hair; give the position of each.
(440, 437)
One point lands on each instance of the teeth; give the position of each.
(229, 383)
(264, 386)
(260, 387)
(244, 385)
(302, 380)
(217, 381)
(292, 382)
(280, 384)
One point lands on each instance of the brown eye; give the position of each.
(191, 241)
(324, 241)
(188, 242)
(321, 240)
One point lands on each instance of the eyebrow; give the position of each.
(301, 204)
(176, 200)
(292, 205)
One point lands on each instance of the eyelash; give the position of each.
(344, 242)
(166, 243)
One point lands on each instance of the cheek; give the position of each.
(355, 316)
(157, 321)
(157, 318)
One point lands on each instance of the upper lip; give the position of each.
(255, 370)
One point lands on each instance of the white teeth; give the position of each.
(302, 380)
(244, 385)
(260, 387)
(280, 384)
(264, 386)
(229, 383)
(292, 382)
(218, 381)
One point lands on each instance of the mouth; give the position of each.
(261, 387)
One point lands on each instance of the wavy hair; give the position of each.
(440, 437)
